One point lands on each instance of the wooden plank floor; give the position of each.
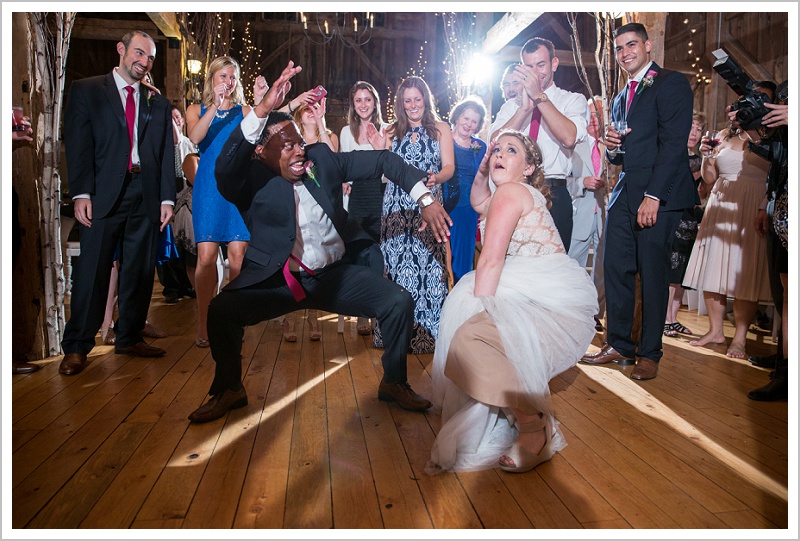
(112, 448)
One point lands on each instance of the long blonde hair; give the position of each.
(298, 119)
(222, 62)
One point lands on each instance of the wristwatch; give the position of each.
(426, 200)
(541, 99)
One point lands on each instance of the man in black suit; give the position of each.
(121, 165)
(644, 209)
(305, 250)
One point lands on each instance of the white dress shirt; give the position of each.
(557, 160)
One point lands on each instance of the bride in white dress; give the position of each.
(522, 317)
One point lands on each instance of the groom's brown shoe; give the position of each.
(404, 395)
(607, 354)
(72, 363)
(219, 405)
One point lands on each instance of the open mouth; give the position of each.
(297, 168)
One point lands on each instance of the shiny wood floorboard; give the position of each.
(111, 448)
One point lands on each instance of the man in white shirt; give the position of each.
(305, 250)
(555, 118)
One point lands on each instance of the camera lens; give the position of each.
(745, 116)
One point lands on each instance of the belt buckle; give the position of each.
(136, 169)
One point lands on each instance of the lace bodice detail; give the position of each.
(535, 234)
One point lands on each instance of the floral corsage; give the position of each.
(476, 147)
(150, 94)
(648, 80)
(311, 171)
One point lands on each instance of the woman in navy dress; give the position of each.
(467, 118)
(216, 220)
(412, 258)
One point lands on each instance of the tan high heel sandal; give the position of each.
(289, 334)
(313, 327)
(524, 459)
(364, 326)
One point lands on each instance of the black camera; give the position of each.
(750, 107)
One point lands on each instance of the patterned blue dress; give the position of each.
(456, 203)
(412, 258)
(215, 218)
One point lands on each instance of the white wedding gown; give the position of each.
(544, 311)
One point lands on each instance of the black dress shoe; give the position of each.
(776, 389)
(25, 368)
(219, 405)
(172, 299)
(405, 397)
(767, 361)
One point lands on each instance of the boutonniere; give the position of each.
(150, 94)
(648, 80)
(311, 171)
(476, 147)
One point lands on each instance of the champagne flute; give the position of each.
(621, 127)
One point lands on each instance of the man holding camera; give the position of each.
(654, 188)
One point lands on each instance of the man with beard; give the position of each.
(121, 166)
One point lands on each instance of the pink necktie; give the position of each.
(536, 119)
(291, 281)
(596, 160)
(631, 93)
(130, 117)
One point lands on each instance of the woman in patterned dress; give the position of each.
(412, 258)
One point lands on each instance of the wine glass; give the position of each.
(713, 140)
(621, 127)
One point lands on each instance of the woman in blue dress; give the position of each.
(467, 118)
(412, 258)
(216, 220)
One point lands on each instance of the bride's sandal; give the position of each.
(363, 326)
(107, 335)
(289, 334)
(525, 460)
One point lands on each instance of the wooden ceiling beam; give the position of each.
(506, 29)
(283, 27)
(167, 23)
(89, 28)
(565, 56)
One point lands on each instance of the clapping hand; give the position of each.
(376, 138)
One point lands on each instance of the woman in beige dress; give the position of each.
(522, 317)
(729, 257)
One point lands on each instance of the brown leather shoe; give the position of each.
(645, 369)
(606, 354)
(140, 349)
(405, 397)
(219, 405)
(72, 363)
(25, 368)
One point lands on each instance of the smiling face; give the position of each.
(414, 106)
(137, 59)
(632, 52)
(541, 64)
(284, 152)
(363, 104)
(512, 86)
(508, 162)
(227, 76)
(594, 128)
(467, 123)
(177, 117)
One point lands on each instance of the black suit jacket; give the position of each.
(655, 159)
(98, 147)
(267, 205)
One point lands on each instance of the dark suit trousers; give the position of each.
(630, 249)
(343, 288)
(561, 211)
(127, 223)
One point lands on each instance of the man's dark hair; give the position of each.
(275, 117)
(637, 28)
(127, 38)
(533, 44)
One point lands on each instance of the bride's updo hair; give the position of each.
(533, 156)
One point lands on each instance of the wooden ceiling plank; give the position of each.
(506, 29)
